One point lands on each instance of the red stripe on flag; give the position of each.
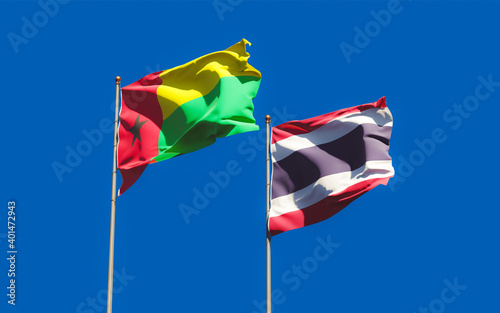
(141, 119)
(130, 176)
(293, 128)
(323, 209)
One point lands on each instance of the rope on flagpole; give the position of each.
(268, 237)
(113, 204)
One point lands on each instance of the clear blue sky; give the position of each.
(430, 240)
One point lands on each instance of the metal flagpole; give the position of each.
(268, 237)
(113, 204)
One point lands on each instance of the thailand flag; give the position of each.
(322, 164)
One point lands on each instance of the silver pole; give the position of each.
(268, 237)
(113, 205)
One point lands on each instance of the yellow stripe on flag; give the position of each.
(197, 78)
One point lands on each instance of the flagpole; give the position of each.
(113, 204)
(268, 237)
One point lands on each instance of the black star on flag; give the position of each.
(136, 129)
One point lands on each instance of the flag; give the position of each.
(184, 109)
(322, 164)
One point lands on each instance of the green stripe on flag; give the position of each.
(226, 110)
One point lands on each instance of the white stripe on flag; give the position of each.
(329, 185)
(343, 125)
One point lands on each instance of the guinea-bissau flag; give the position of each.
(184, 109)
